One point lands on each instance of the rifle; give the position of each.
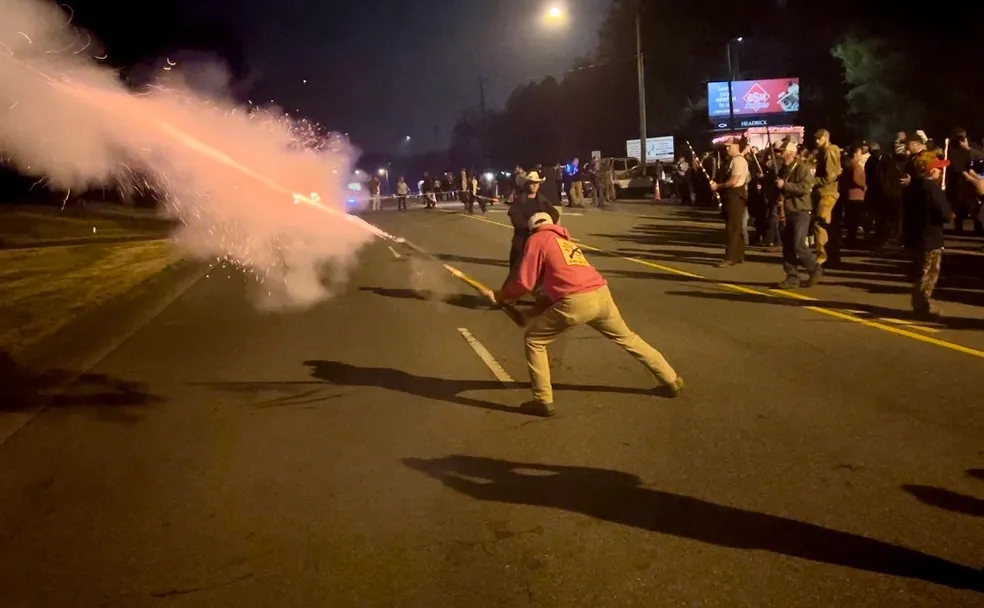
(780, 200)
(714, 194)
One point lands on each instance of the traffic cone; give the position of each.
(656, 195)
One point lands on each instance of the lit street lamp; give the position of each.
(557, 14)
(384, 172)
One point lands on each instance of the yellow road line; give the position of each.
(875, 324)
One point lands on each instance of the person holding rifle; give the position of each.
(734, 192)
(577, 294)
(795, 183)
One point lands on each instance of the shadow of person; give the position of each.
(22, 389)
(620, 498)
(443, 389)
(947, 500)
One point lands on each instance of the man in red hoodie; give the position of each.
(579, 295)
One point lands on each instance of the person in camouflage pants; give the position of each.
(926, 211)
(604, 184)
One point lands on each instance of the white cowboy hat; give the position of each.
(534, 176)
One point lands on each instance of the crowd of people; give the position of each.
(812, 203)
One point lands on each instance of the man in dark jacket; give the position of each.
(796, 184)
(963, 199)
(551, 184)
(873, 196)
(526, 204)
(926, 211)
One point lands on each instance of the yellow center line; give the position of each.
(844, 316)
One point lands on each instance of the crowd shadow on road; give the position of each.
(705, 247)
(956, 323)
(441, 389)
(24, 390)
(621, 498)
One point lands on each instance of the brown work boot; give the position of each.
(535, 407)
(815, 276)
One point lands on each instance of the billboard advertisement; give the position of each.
(775, 96)
(657, 148)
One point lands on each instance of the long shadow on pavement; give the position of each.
(447, 257)
(875, 311)
(949, 500)
(621, 498)
(946, 499)
(472, 301)
(24, 390)
(344, 374)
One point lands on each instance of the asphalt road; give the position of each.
(364, 454)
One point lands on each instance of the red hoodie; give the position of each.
(552, 254)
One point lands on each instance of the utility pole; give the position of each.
(483, 128)
(641, 70)
(731, 93)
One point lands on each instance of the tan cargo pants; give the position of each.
(576, 195)
(597, 309)
(825, 217)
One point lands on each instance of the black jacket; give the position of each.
(523, 209)
(925, 212)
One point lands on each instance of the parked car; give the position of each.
(637, 181)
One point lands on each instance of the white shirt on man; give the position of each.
(739, 167)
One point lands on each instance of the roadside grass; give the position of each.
(44, 289)
(22, 225)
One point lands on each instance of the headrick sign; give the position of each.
(754, 97)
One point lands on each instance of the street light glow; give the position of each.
(555, 15)
(740, 38)
(407, 138)
(382, 171)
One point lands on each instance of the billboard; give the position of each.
(776, 96)
(657, 148)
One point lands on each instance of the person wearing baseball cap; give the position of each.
(925, 211)
(734, 195)
(961, 194)
(577, 295)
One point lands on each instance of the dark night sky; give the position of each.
(383, 69)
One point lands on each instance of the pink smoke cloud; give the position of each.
(231, 176)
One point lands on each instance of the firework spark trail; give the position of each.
(118, 135)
